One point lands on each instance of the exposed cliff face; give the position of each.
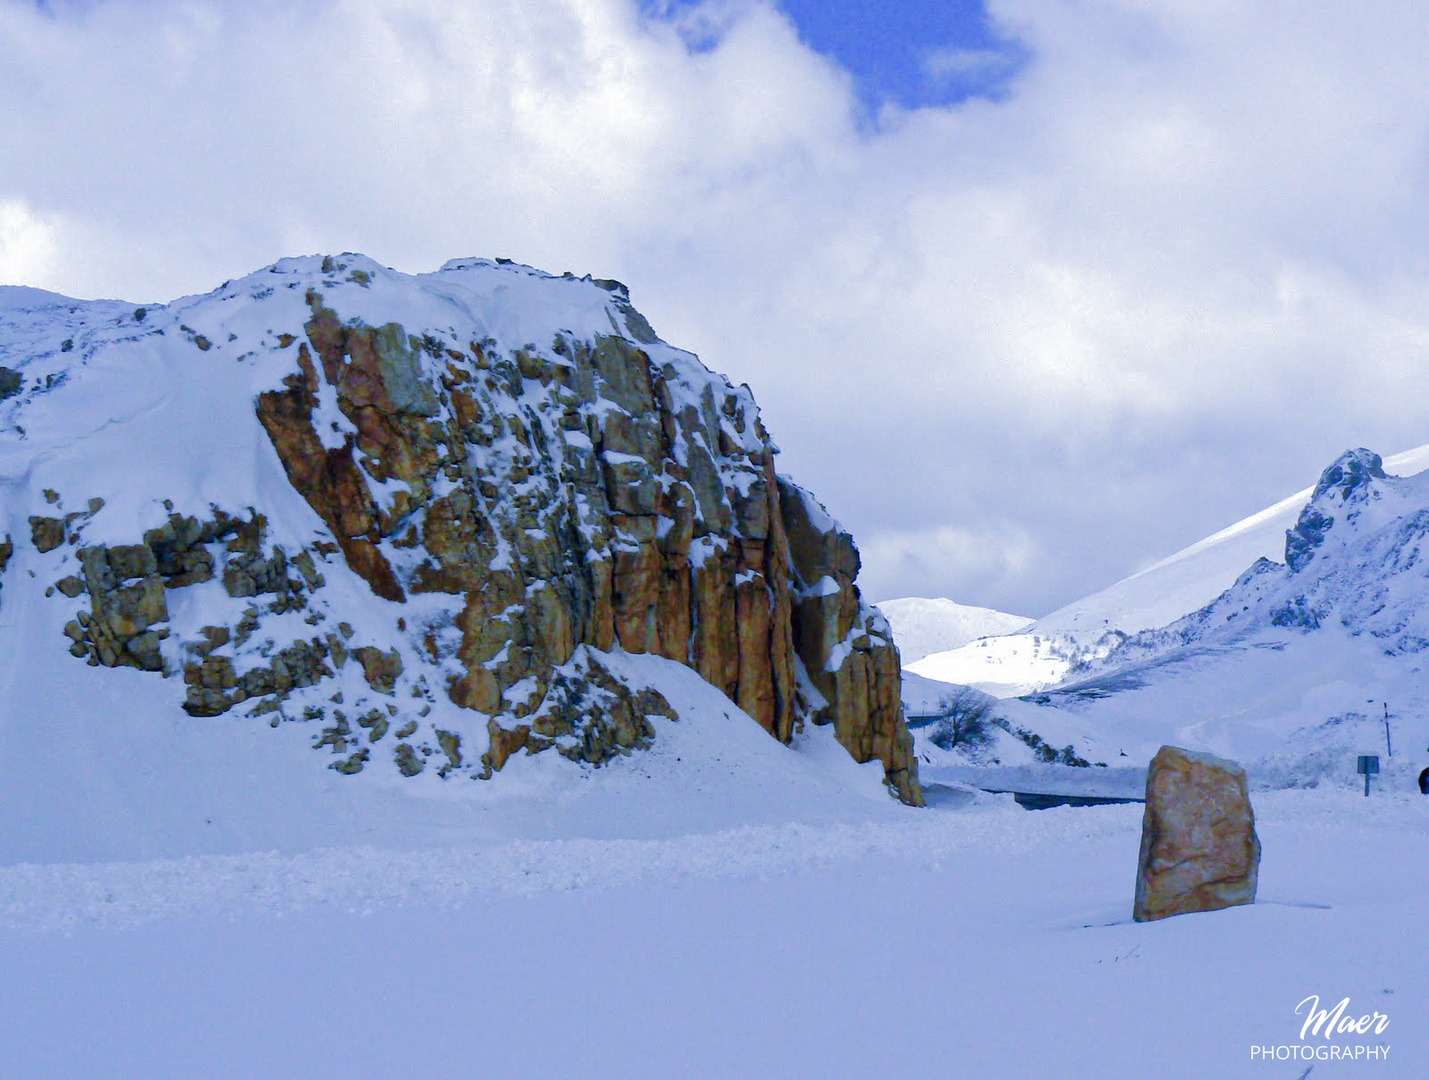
(1343, 489)
(845, 646)
(506, 475)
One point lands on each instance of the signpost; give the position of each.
(1369, 764)
(1389, 746)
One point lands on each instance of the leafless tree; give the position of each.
(964, 719)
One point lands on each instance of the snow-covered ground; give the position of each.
(147, 781)
(976, 942)
(1007, 666)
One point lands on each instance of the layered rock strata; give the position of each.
(515, 510)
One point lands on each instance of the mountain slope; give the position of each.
(1354, 559)
(922, 625)
(1297, 664)
(1042, 654)
(1196, 575)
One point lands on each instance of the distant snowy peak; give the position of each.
(1355, 561)
(1346, 488)
(1194, 576)
(1320, 530)
(922, 626)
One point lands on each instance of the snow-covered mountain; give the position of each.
(1007, 666)
(334, 524)
(929, 625)
(1043, 654)
(1353, 562)
(1291, 669)
(1196, 575)
(1300, 665)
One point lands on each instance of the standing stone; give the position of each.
(1199, 851)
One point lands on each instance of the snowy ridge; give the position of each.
(56, 896)
(926, 625)
(1196, 575)
(1044, 654)
(358, 879)
(1354, 558)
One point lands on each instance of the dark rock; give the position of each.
(408, 763)
(71, 585)
(46, 533)
(1346, 482)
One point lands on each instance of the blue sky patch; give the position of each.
(911, 53)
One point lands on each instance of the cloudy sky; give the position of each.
(1031, 294)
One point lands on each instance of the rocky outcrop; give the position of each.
(1199, 850)
(1346, 482)
(622, 507)
(516, 509)
(845, 646)
(587, 715)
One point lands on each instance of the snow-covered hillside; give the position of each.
(1006, 666)
(1293, 669)
(1196, 575)
(1042, 654)
(929, 625)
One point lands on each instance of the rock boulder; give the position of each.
(1199, 850)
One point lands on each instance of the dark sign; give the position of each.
(1369, 764)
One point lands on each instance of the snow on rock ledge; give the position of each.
(414, 512)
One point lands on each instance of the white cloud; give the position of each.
(1160, 285)
(944, 554)
(27, 245)
(978, 66)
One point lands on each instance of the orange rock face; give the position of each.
(1199, 850)
(616, 506)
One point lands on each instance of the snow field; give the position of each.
(986, 942)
